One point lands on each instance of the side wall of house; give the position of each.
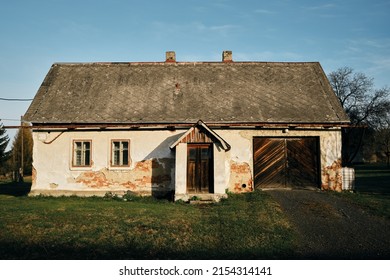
(151, 170)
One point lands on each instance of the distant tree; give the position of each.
(4, 155)
(382, 140)
(22, 151)
(366, 107)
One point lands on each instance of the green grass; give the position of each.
(372, 189)
(249, 226)
(245, 226)
(376, 204)
(372, 178)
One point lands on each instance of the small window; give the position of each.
(120, 153)
(81, 153)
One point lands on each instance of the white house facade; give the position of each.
(185, 129)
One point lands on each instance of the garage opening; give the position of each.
(286, 162)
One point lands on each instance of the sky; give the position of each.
(36, 34)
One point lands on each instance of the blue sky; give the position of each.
(35, 34)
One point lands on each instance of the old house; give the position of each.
(189, 128)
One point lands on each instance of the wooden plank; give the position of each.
(269, 163)
(302, 157)
(286, 162)
(197, 136)
(191, 170)
(200, 168)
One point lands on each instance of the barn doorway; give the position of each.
(286, 162)
(200, 168)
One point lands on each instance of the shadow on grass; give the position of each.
(372, 178)
(15, 189)
(129, 251)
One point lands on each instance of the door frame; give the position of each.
(210, 183)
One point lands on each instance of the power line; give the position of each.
(15, 99)
(14, 120)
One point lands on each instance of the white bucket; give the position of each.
(348, 178)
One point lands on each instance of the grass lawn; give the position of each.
(246, 226)
(372, 187)
(249, 226)
(372, 178)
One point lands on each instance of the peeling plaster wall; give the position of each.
(239, 160)
(151, 171)
(155, 168)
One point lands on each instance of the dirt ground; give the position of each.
(330, 227)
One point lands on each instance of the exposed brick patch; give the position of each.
(93, 179)
(332, 178)
(240, 177)
(146, 175)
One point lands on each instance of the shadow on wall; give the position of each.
(162, 164)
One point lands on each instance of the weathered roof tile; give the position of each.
(239, 92)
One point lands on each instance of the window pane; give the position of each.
(120, 153)
(87, 145)
(192, 154)
(82, 153)
(205, 153)
(125, 157)
(116, 145)
(78, 157)
(116, 157)
(87, 159)
(77, 153)
(125, 145)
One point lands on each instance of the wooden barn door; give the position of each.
(286, 162)
(200, 168)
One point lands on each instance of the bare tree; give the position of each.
(382, 139)
(22, 148)
(366, 106)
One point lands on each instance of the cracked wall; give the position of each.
(151, 171)
(148, 176)
(240, 177)
(332, 178)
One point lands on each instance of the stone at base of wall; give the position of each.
(90, 193)
(200, 196)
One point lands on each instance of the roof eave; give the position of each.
(188, 124)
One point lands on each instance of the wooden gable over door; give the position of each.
(201, 133)
(197, 135)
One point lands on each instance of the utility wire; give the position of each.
(15, 99)
(14, 120)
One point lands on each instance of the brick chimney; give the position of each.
(227, 56)
(170, 56)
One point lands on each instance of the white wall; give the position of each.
(54, 171)
(154, 166)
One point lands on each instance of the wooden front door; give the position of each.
(286, 162)
(200, 168)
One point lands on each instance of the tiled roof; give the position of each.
(184, 92)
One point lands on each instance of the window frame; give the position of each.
(112, 153)
(74, 156)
